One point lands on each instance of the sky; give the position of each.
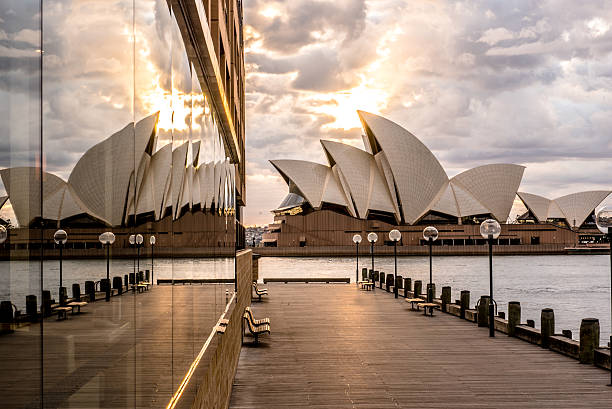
(525, 82)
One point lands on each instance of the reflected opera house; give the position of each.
(397, 182)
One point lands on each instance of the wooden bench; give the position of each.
(255, 322)
(428, 306)
(141, 287)
(255, 330)
(365, 285)
(259, 292)
(414, 302)
(77, 305)
(61, 312)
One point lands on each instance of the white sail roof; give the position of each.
(574, 208)
(538, 205)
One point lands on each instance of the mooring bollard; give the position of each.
(531, 323)
(147, 275)
(46, 303)
(132, 278)
(446, 297)
(589, 339)
(431, 292)
(375, 277)
(381, 279)
(514, 316)
(390, 282)
(6, 312)
(483, 311)
(90, 290)
(418, 288)
(547, 326)
(364, 274)
(118, 284)
(407, 286)
(465, 302)
(399, 283)
(63, 295)
(31, 307)
(76, 291)
(567, 333)
(126, 280)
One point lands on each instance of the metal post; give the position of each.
(357, 268)
(108, 271)
(152, 280)
(491, 302)
(429, 292)
(395, 273)
(138, 257)
(61, 246)
(372, 253)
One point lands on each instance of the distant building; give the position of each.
(397, 181)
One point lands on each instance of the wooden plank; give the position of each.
(337, 347)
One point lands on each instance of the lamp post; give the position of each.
(603, 219)
(60, 237)
(132, 241)
(357, 240)
(139, 241)
(395, 236)
(430, 234)
(152, 242)
(372, 238)
(107, 238)
(490, 230)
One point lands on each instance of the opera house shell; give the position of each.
(121, 179)
(399, 177)
(397, 182)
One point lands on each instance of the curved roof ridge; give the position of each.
(536, 204)
(418, 174)
(578, 206)
(309, 177)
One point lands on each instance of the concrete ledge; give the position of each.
(528, 334)
(602, 358)
(565, 346)
(501, 325)
(471, 315)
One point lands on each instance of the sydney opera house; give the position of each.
(397, 181)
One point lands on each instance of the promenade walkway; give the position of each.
(333, 346)
(131, 352)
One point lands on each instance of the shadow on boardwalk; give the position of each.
(333, 346)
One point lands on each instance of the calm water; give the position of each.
(20, 278)
(576, 286)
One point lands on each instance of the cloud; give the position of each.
(477, 82)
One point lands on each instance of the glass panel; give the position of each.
(20, 216)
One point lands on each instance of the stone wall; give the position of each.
(216, 387)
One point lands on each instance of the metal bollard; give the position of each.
(589, 339)
(483, 311)
(381, 279)
(514, 317)
(465, 302)
(418, 288)
(446, 297)
(76, 291)
(547, 326)
(431, 292)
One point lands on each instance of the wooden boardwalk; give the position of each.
(131, 352)
(333, 346)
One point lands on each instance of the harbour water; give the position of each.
(576, 286)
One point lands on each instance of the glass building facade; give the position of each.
(112, 119)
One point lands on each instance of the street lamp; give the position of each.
(603, 219)
(395, 236)
(107, 238)
(430, 234)
(152, 242)
(357, 240)
(490, 230)
(372, 238)
(60, 237)
(139, 241)
(132, 241)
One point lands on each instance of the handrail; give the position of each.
(181, 388)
